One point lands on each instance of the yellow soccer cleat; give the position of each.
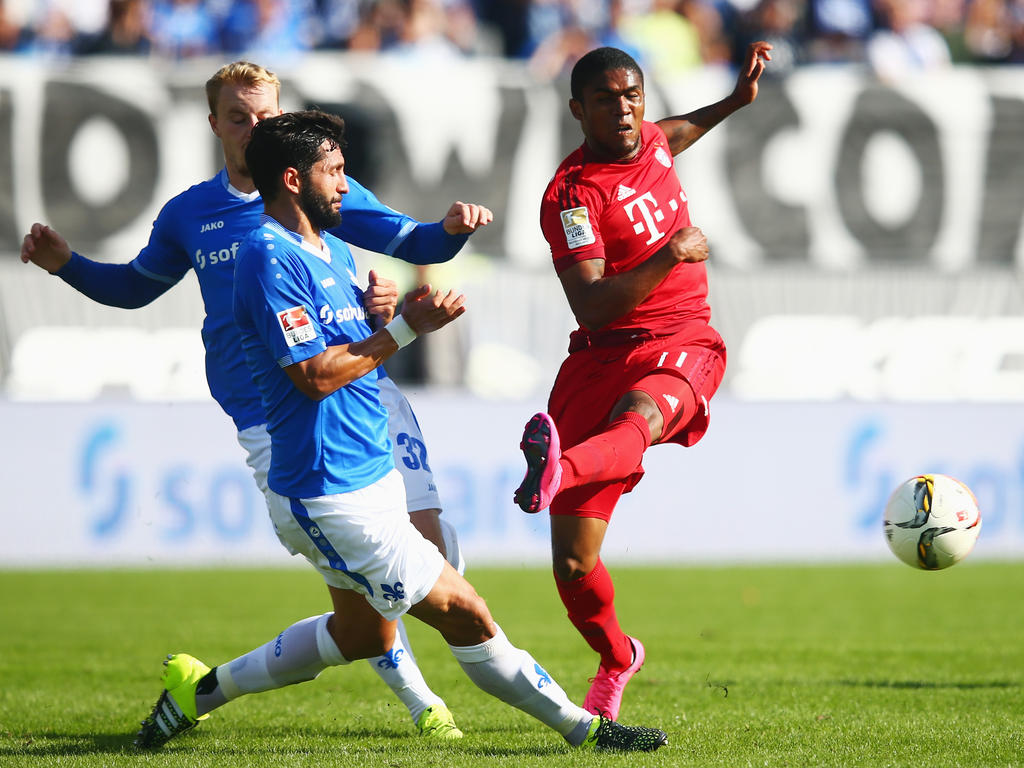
(436, 722)
(175, 710)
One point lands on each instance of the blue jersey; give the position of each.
(202, 229)
(291, 301)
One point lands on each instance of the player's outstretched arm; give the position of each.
(373, 226)
(439, 241)
(597, 300)
(115, 285)
(337, 366)
(684, 130)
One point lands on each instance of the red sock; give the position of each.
(590, 602)
(610, 455)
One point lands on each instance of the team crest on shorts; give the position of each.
(296, 326)
(576, 223)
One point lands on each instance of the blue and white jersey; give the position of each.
(202, 229)
(291, 301)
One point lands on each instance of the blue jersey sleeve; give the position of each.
(369, 224)
(272, 293)
(161, 264)
(116, 285)
(430, 244)
(164, 258)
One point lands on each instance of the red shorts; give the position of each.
(593, 379)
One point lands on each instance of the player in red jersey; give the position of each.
(644, 363)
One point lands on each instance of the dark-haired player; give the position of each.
(644, 363)
(201, 230)
(335, 495)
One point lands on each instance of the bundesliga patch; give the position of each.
(296, 326)
(576, 223)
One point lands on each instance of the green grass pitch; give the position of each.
(852, 665)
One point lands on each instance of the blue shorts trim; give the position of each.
(301, 515)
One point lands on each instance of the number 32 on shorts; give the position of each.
(415, 451)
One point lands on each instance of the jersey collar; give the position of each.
(323, 252)
(245, 197)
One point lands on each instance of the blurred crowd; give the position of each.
(666, 36)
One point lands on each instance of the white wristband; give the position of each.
(400, 331)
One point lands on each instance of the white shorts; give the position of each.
(256, 442)
(406, 439)
(410, 449)
(363, 541)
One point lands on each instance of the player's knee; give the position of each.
(354, 648)
(569, 570)
(470, 623)
(458, 612)
(571, 567)
(359, 642)
(466, 605)
(642, 404)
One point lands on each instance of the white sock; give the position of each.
(398, 669)
(499, 668)
(300, 653)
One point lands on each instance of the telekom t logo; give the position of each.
(649, 212)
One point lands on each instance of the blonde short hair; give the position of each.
(239, 73)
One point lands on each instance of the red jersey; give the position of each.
(622, 213)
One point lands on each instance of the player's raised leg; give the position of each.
(543, 470)
(612, 454)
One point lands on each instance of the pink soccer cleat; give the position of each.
(543, 472)
(605, 694)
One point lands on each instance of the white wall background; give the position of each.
(148, 484)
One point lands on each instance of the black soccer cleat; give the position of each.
(610, 735)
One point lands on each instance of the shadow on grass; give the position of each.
(549, 750)
(64, 744)
(287, 733)
(268, 740)
(930, 684)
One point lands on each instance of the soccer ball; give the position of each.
(932, 521)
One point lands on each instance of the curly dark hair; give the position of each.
(291, 140)
(596, 62)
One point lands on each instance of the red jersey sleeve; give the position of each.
(570, 216)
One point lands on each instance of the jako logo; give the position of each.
(211, 225)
